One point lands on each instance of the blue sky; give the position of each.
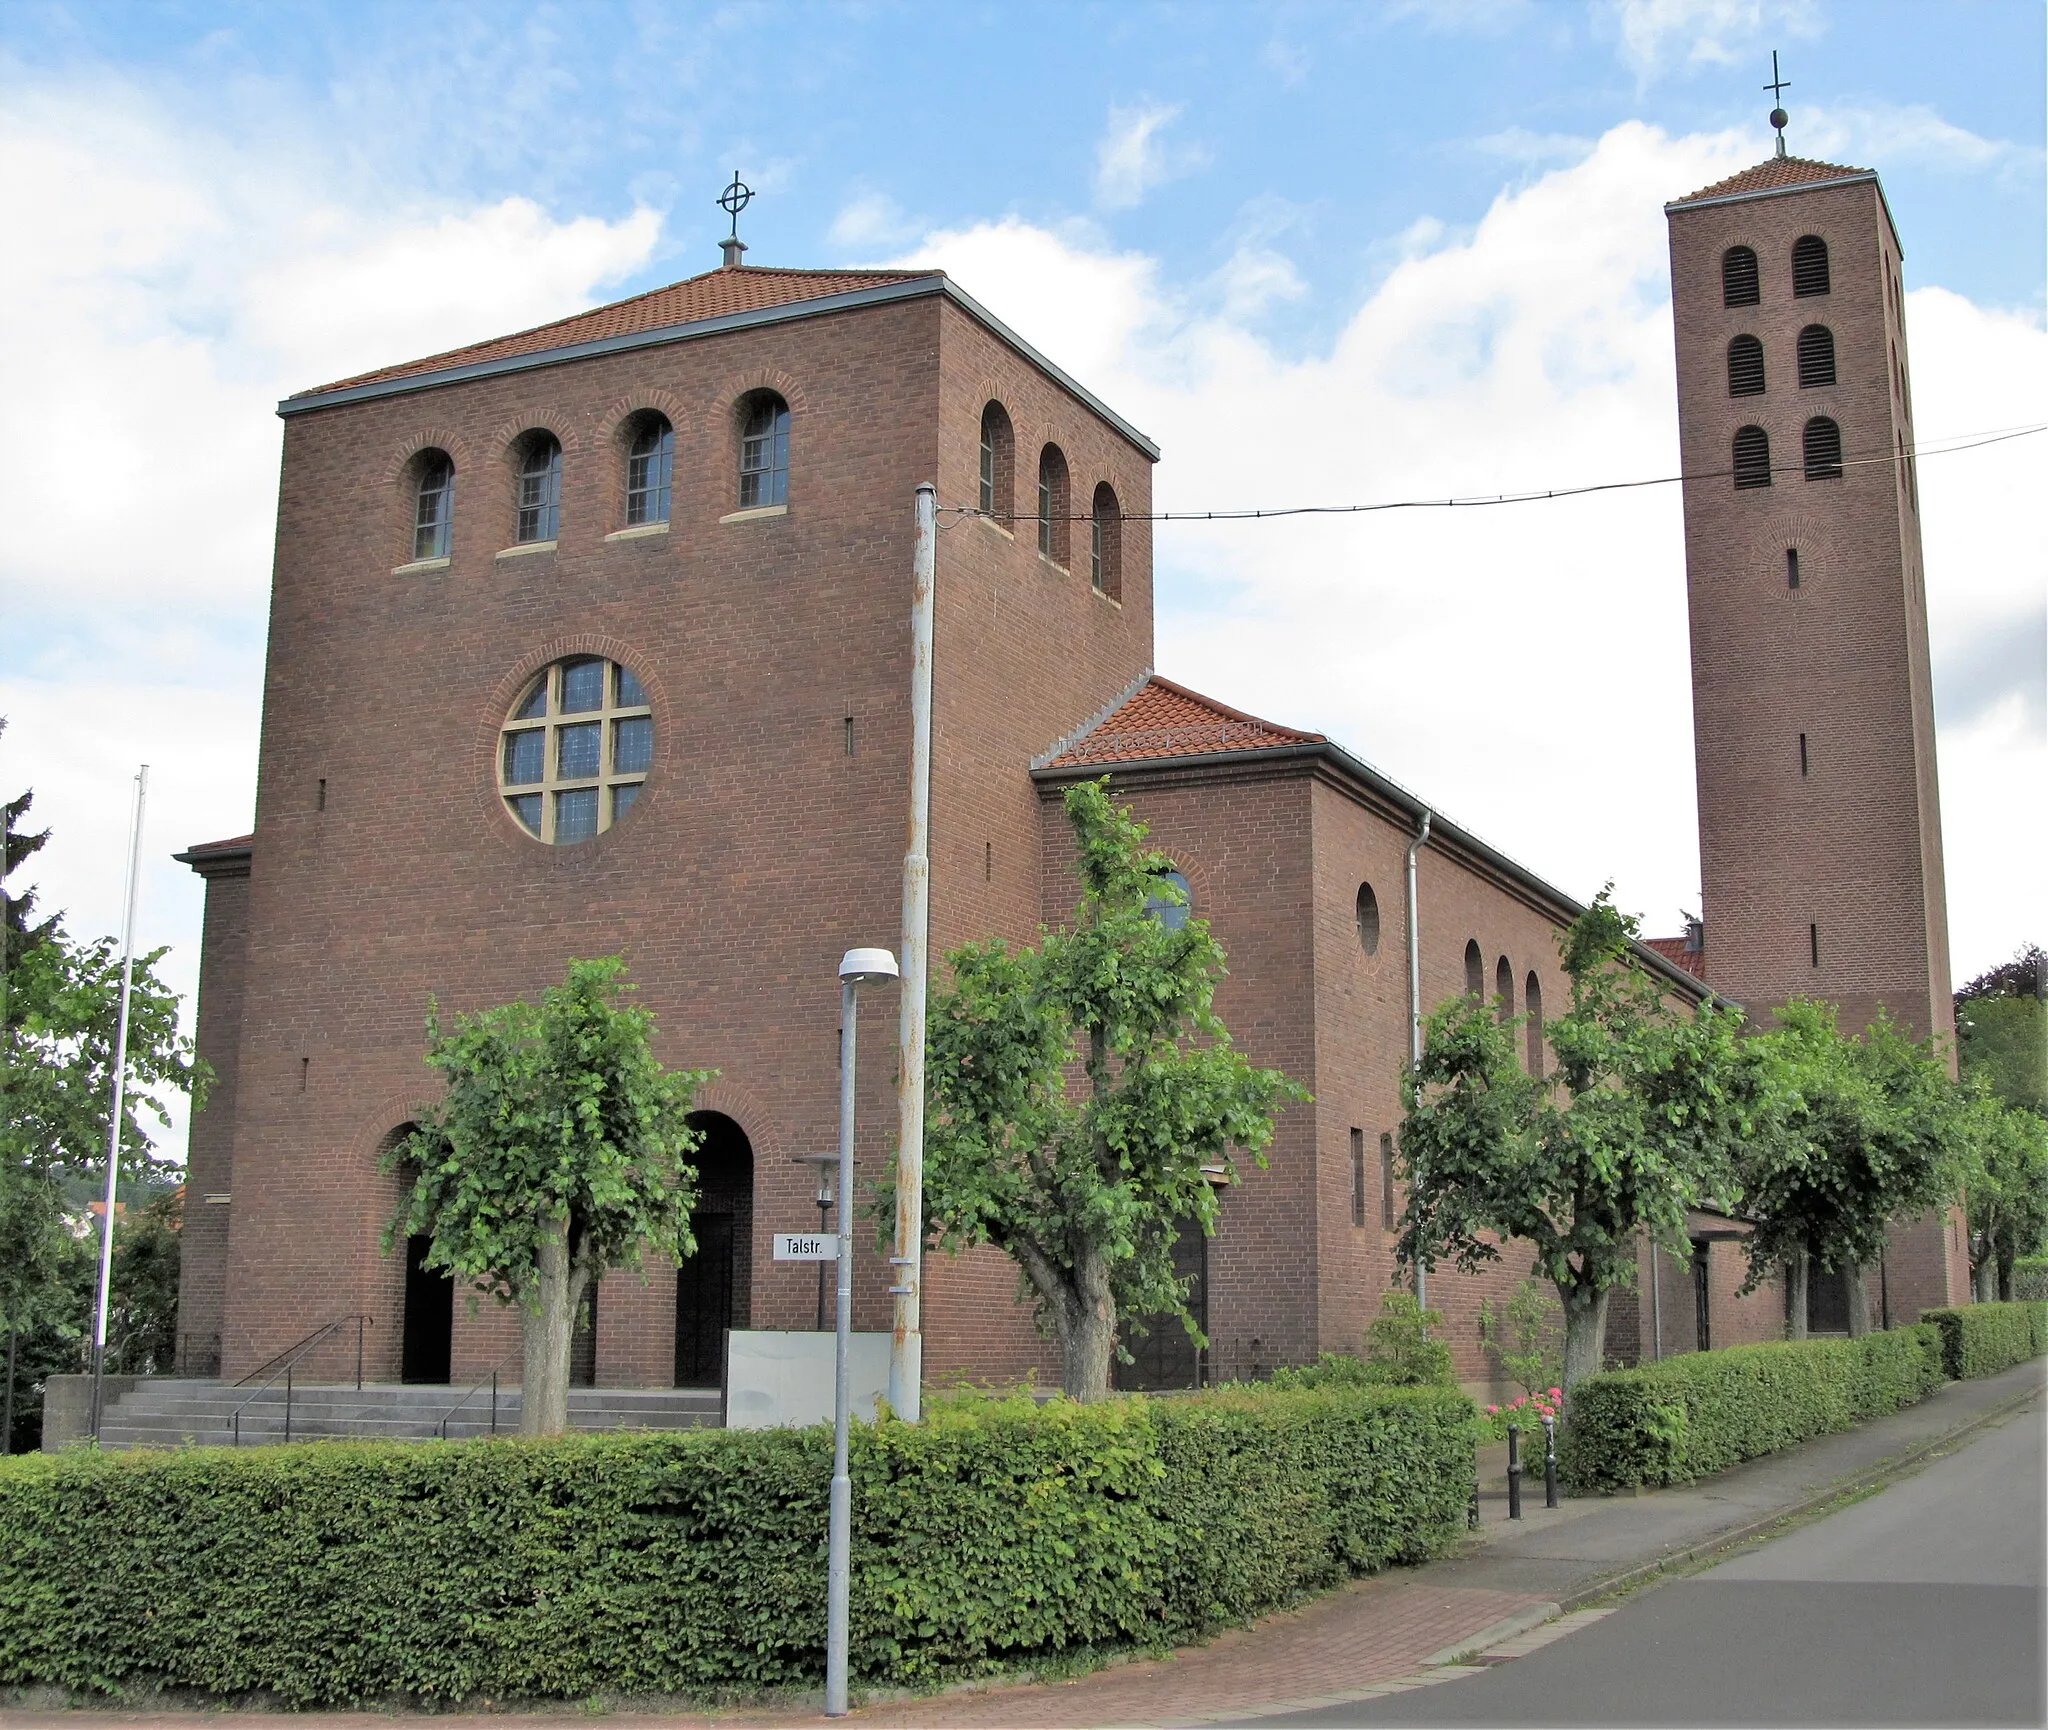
(1428, 235)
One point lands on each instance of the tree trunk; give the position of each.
(544, 1382)
(1798, 1272)
(1859, 1301)
(2004, 1277)
(1585, 1333)
(1987, 1278)
(1090, 1336)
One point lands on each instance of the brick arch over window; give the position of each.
(428, 505)
(1810, 274)
(1532, 1004)
(1475, 969)
(1504, 988)
(1821, 444)
(762, 425)
(614, 436)
(1055, 506)
(498, 704)
(996, 477)
(1106, 543)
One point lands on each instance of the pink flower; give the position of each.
(1493, 1411)
(1557, 1393)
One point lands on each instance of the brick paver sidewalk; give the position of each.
(1371, 1632)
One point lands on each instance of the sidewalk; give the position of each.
(1396, 1630)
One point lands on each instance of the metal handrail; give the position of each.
(286, 1362)
(492, 1378)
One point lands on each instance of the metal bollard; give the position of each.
(1550, 1462)
(1514, 1471)
(1472, 1507)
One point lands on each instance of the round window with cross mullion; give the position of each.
(576, 750)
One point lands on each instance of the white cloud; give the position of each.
(870, 220)
(1518, 144)
(1897, 136)
(171, 286)
(1654, 35)
(1525, 666)
(1133, 157)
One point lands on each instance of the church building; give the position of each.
(595, 639)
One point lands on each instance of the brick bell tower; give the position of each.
(1813, 713)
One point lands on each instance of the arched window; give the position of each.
(1053, 506)
(1823, 449)
(1106, 544)
(1475, 970)
(764, 451)
(1745, 367)
(1809, 266)
(1752, 457)
(433, 512)
(650, 465)
(540, 488)
(1368, 919)
(1816, 356)
(1171, 902)
(1532, 1001)
(575, 751)
(1504, 990)
(998, 464)
(1739, 285)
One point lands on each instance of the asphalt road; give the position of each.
(1922, 1605)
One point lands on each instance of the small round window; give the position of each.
(1368, 919)
(576, 750)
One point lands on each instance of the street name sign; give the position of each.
(806, 1246)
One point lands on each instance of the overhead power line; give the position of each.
(1936, 447)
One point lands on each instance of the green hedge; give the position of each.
(694, 1563)
(1982, 1339)
(2030, 1279)
(1666, 1423)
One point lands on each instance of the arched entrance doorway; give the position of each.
(714, 1286)
(427, 1306)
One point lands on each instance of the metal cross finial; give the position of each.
(1777, 87)
(736, 197)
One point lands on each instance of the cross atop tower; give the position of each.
(1777, 87)
(736, 197)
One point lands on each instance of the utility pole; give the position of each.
(906, 1345)
(1415, 1008)
(99, 1332)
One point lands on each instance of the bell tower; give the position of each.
(1813, 713)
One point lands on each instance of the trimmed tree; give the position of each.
(559, 1150)
(1631, 1128)
(2007, 1188)
(1083, 1092)
(1847, 1136)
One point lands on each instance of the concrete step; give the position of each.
(164, 1411)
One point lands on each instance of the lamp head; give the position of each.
(867, 966)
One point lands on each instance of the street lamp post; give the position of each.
(857, 967)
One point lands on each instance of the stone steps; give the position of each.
(164, 1412)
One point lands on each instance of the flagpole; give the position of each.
(99, 1333)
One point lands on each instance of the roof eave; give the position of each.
(1393, 793)
(1862, 177)
(694, 329)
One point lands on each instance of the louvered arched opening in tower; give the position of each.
(1823, 449)
(1816, 356)
(1475, 970)
(1752, 457)
(1745, 367)
(1739, 281)
(1504, 990)
(1106, 544)
(1809, 265)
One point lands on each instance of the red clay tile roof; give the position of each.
(1673, 949)
(715, 293)
(234, 843)
(1168, 720)
(1772, 174)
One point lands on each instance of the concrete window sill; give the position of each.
(1111, 599)
(638, 532)
(995, 527)
(1053, 564)
(525, 547)
(418, 565)
(756, 514)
